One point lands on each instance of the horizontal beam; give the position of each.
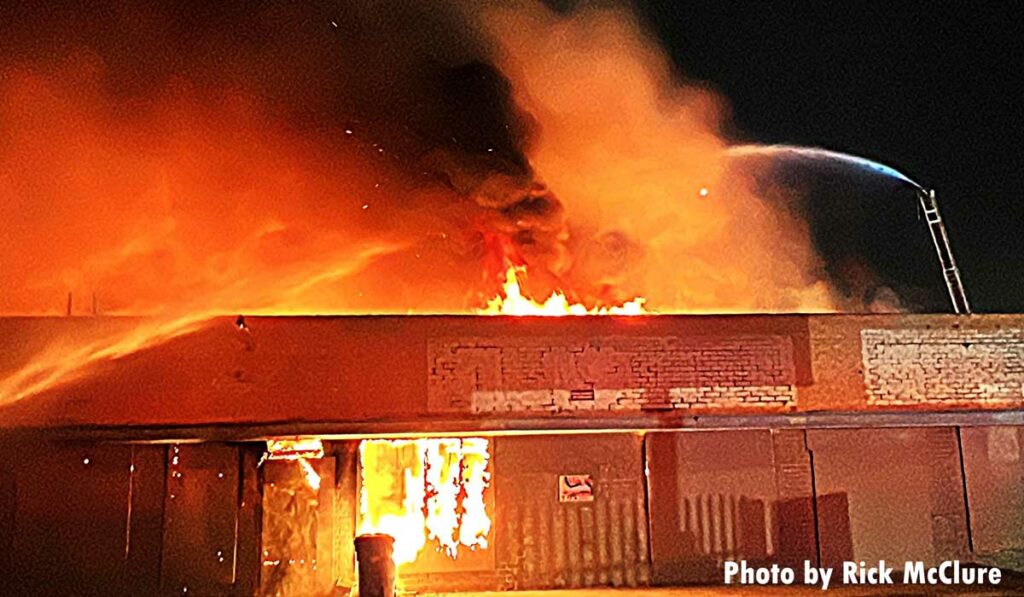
(653, 422)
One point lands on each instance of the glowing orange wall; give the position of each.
(449, 373)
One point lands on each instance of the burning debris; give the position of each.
(294, 449)
(291, 518)
(301, 451)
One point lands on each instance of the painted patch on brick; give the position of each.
(944, 366)
(612, 373)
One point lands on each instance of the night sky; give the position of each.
(934, 92)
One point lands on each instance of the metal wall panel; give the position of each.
(203, 507)
(8, 506)
(70, 519)
(727, 495)
(543, 543)
(144, 534)
(898, 491)
(994, 466)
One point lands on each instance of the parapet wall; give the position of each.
(839, 363)
(610, 373)
(930, 362)
(503, 371)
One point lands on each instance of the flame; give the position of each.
(422, 490)
(300, 450)
(475, 479)
(443, 480)
(213, 202)
(66, 361)
(312, 477)
(213, 185)
(514, 303)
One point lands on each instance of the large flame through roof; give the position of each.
(512, 302)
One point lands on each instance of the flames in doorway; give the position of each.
(425, 492)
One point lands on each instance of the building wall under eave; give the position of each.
(545, 543)
(668, 508)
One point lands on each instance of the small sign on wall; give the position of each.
(575, 488)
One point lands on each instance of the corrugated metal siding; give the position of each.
(572, 545)
(543, 543)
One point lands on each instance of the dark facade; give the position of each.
(769, 439)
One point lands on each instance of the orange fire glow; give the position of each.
(423, 491)
(312, 477)
(512, 302)
(194, 199)
(295, 448)
(213, 200)
(300, 450)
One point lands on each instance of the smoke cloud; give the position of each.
(343, 157)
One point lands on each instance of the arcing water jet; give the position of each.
(926, 199)
(817, 153)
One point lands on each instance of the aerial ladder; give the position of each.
(930, 209)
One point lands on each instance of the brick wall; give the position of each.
(552, 374)
(437, 373)
(917, 366)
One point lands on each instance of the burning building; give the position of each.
(292, 159)
(508, 452)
